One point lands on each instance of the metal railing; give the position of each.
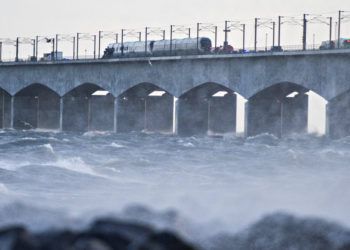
(249, 50)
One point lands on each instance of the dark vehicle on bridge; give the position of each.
(344, 43)
(185, 46)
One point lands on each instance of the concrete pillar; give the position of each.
(5, 109)
(200, 114)
(101, 113)
(61, 113)
(222, 114)
(277, 116)
(193, 116)
(159, 113)
(131, 114)
(176, 116)
(75, 113)
(338, 116)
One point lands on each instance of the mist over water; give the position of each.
(213, 184)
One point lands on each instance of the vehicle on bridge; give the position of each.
(344, 44)
(161, 47)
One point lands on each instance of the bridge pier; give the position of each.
(5, 109)
(276, 112)
(84, 111)
(145, 107)
(338, 116)
(36, 107)
(207, 109)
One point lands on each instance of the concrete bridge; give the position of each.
(141, 93)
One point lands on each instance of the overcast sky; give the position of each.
(27, 18)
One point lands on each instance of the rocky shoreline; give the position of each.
(103, 234)
(273, 232)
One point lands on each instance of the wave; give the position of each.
(3, 189)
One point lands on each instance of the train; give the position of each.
(161, 47)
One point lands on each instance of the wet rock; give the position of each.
(282, 231)
(16, 238)
(104, 234)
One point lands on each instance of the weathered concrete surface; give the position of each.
(274, 111)
(324, 72)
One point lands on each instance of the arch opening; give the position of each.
(285, 108)
(207, 109)
(36, 106)
(5, 109)
(145, 107)
(338, 116)
(88, 107)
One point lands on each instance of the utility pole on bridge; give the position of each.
(304, 31)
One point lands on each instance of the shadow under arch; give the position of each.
(5, 109)
(88, 107)
(145, 107)
(338, 116)
(279, 109)
(209, 108)
(36, 106)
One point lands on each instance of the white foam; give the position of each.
(3, 189)
(48, 147)
(76, 164)
(95, 133)
(116, 145)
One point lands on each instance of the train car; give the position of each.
(161, 47)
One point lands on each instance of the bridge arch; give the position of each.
(5, 109)
(145, 107)
(88, 107)
(279, 109)
(209, 108)
(36, 106)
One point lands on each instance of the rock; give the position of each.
(104, 234)
(16, 238)
(162, 241)
(282, 231)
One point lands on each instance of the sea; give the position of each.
(198, 187)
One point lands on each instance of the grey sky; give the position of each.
(26, 18)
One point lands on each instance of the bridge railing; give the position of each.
(249, 50)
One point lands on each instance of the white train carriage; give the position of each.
(161, 47)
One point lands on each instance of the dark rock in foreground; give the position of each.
(286, 232)
(106, 234)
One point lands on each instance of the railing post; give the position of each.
(171, 39)
(95, 46)
(304, 31)
(255, 34)
(0, 51)
(56, 46)
(330, 30)
(37, 47)
(146, 40)
(77, 46)
(73, 48)
(243, 31)
(339, 24)
(17, 44)
(198, 27)
(99, 44)
(279, 30)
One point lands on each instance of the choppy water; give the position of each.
(213, 184)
